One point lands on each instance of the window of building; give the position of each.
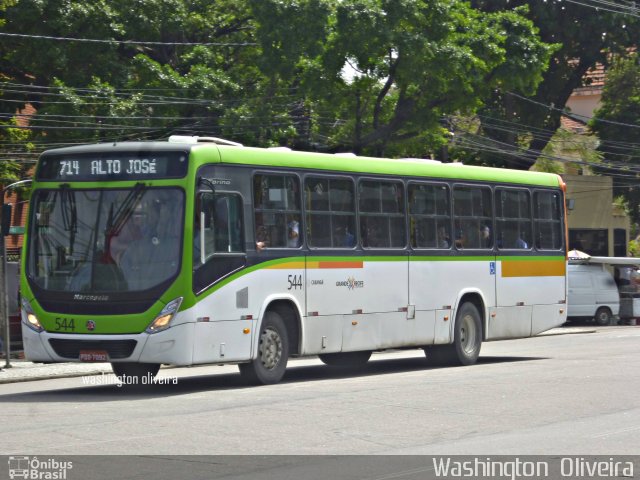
(382, 219)
(619, 242)
(429, 215)
(473, 217)
(513, 219)
(330, 212)
(594, 241)
(277, 210)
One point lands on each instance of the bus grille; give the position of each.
(71, 348)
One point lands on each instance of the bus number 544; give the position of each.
(295, 282)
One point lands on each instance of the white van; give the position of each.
(592, 294)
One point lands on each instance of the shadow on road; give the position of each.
(108, 391)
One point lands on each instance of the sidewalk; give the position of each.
(25, 371)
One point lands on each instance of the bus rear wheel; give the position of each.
(345, 359)
(131, 373)
(273, 353)
(467, 340)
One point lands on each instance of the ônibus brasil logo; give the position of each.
(35, 469)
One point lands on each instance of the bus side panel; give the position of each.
(223, 317)
(435, 285)
(322, 334)
(525, 282)
(368, 294)
(547, 316)
(223, 341)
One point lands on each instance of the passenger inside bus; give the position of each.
(485, 237)
(154, 256)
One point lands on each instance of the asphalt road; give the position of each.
(565, 394)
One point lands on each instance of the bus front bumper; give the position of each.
(172, 346)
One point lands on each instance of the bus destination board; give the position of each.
(113, 166)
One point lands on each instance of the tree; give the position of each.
(379, 76)
(177, 78)
(584, 37)
(370, 76)
(617, 124)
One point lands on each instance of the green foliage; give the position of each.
(381, 74)
(582, 37)
(370, 76)
(617, 123)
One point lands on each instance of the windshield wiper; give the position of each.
(117, 221)
(69, 214)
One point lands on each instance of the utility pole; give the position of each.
(4, 294)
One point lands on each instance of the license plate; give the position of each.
(94, 356)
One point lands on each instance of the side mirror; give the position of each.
(6, 219)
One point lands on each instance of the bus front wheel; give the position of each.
(273, 352)
(467, 340)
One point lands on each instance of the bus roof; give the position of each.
(285, 158)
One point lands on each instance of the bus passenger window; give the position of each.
(429, 216)
(330, 212)
(277, 211)
(473, 217)
(513, 219)
(547, 213)
(382, 219)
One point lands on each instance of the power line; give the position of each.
(582, 118)
(614, 7)
(129, 42)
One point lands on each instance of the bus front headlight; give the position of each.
(31, 320)
(163, 320)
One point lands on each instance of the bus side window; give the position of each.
(278, 215)
(547, 218)
(330, 212)
(473, 217)
(382, 215)
(430, 216)
(219, 218)
(513, 219)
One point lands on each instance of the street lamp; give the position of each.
(4, 299)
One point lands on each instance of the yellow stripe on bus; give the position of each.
(286, 265)
(533, 268)
(317, 265)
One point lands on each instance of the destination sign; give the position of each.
(113, 166)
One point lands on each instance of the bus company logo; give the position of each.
(35, 469)
(91, 325)
(351, 283)
(220, 181)
(91, 298)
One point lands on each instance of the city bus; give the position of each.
(203, 251)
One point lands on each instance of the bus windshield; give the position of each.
(98, 241)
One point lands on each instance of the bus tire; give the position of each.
(467, 340)
(273, 352)
(131, 373)
(345, 359)
(603, 316)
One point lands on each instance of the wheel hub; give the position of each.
(270, 348)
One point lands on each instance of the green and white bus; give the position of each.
(202, 251)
